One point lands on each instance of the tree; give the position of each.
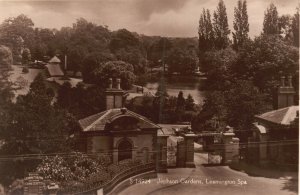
(6, 91)
(16, 33)
(127, 47)
(240, 24)
(205, 32)
(270, 25)
(159, 50)
(6, 59)
(295, 29)
(91, 62)
(34, 126)
(263, 59)
(115, 69)
(35, 123)
(220, 26)
(26, 56)
(189, 103)
(217, 65)
(180, 104)
(182, 61)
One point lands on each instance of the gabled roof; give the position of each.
(54, 70)
(54, 60)
(283, 116)
(98, 121)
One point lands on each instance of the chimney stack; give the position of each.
(285, 93)
(114, 95)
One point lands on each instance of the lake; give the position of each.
(188, 85)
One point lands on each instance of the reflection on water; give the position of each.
(188, 85)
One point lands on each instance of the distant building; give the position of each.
(53, 67)
(276, 133)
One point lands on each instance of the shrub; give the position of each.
(25, 70)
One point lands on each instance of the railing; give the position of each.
(109, 185)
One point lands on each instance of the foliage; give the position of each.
(271, 26)
(158, 51)
(115, 69)
(79, 101)
(182, 61)
(127, 47)
(26, 56)
(240, 24)
(217, 66)
(180, 103)
(189, 103)
(74, 167)
(220, 26)
(205, 31)
(91, 62)
(16, 32)
(235, 106)
(5, 57)
(35, 125)
(295, 29)
(263, 59)
(77, 170)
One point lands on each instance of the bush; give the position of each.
(25, 70)
(76, 168)
(6, 58)
(80, 171)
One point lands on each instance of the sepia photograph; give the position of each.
(149, 97)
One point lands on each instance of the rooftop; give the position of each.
(97, 122)
(54, 60)
(283, 116)
(54, 70)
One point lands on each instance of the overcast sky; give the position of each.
(176, 18)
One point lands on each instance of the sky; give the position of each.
(174, 18)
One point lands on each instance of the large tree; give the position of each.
(182, 61)
(16, 33)
(220, 25)
(205, 32)
(36, 126)
(295, 28)
(115, 69)
(240, 24)
(271, 21)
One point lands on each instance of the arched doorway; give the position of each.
(124, 150)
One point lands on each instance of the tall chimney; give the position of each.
(114, 96)
(285, 93)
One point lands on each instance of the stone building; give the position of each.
(276, 133)
(122, 133)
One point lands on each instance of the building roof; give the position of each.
(54, 60)
(54, 70)
(97, 122)
(283, 116)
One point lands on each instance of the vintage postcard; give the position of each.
(149, 97)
